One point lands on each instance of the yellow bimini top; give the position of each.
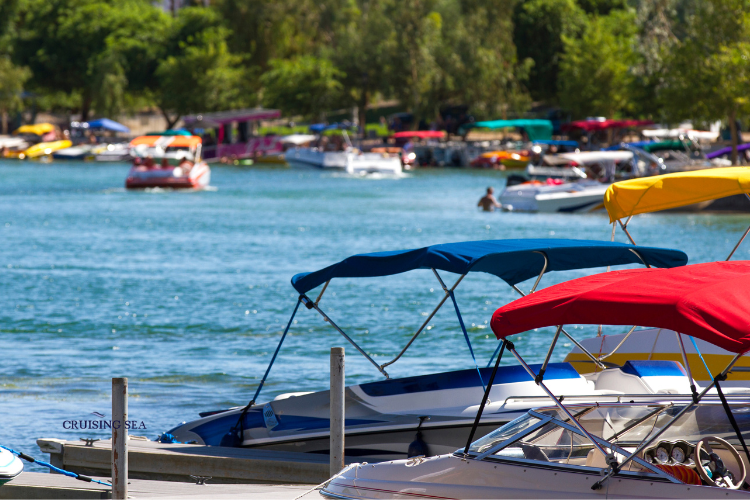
(662, 192)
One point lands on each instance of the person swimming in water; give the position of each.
(488, 201)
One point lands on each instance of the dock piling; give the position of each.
(119, 438)
(337, 410)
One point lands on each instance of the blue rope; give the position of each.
(700, 356)
(499, 346)
(466, 336)
(278, 347)
(80, 477)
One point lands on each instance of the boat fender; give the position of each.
(418, 446)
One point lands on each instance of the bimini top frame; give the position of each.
(625, 199)
(707, 301)
(513, 261)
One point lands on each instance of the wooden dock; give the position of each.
(152, 460)
(33, 485)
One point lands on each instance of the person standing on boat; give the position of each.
(488, 201)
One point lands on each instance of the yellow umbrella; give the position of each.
(37, 129)
(662, 192)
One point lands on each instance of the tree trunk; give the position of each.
(364, 100)
(733, 130)
(85, 106)
(170, 121)
(4, 121)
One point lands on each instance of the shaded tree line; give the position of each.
(661, 59)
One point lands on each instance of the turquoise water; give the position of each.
(186, 294)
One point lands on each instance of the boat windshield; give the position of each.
(547, 435)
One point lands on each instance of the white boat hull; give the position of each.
(355, 163)
(582, 196)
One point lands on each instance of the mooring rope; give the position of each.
(80, 477)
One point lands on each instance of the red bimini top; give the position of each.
(592, 125)
(708, 301)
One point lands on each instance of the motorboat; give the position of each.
(398, 417)
(653, 446)
(172, 162)
(114, 152)
(10, 466)
(694, 190)
(502, 160)
(535, 196)
(351, 161)
(44, 149)
(572, 182)
(82, 152)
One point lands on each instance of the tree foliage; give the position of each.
(595, 77)
(708, 72)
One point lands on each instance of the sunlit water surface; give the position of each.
(187, 294)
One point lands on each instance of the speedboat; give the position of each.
(10, 466)
(114, 152)
(395, 418)
(700, 189)
(82, 152)
(573, 182)
(351, 161)
(172, 162)
(652, 446)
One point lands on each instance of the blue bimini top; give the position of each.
(513, 261)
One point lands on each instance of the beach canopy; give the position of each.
(419, 134)
(727, 151)
(662, 192)
(707, 301)
(593, 125)
(511, 260)
(107, 124)
(535, 129)
(36, 129)
(177, 141)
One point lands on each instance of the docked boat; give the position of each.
(698, 190)
(394, 418)
(171, 162)
(82, 152)
(649, 446)
(10, 466)
(44, 149)
(352, 161)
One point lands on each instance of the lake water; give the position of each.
(186, 294)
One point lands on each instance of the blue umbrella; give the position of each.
(107, 124)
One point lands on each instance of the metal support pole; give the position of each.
(558, 403)
(425, 323)
(570, 337)
(618, 345)
(544, 269)
(119, 438)
(641, 257)
(337, 410)
(311, 305)
(540, 376)
(625, 228)
(687, 365)
(739, 242)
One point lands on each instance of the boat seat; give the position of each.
(532, 452)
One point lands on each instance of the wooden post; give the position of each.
(119, 438)
(337, 410)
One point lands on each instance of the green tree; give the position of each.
(303, 85)
(199, 73)
(540, 26)
(12, 79)
(708, 72)
(363, 50)
(595, 77)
